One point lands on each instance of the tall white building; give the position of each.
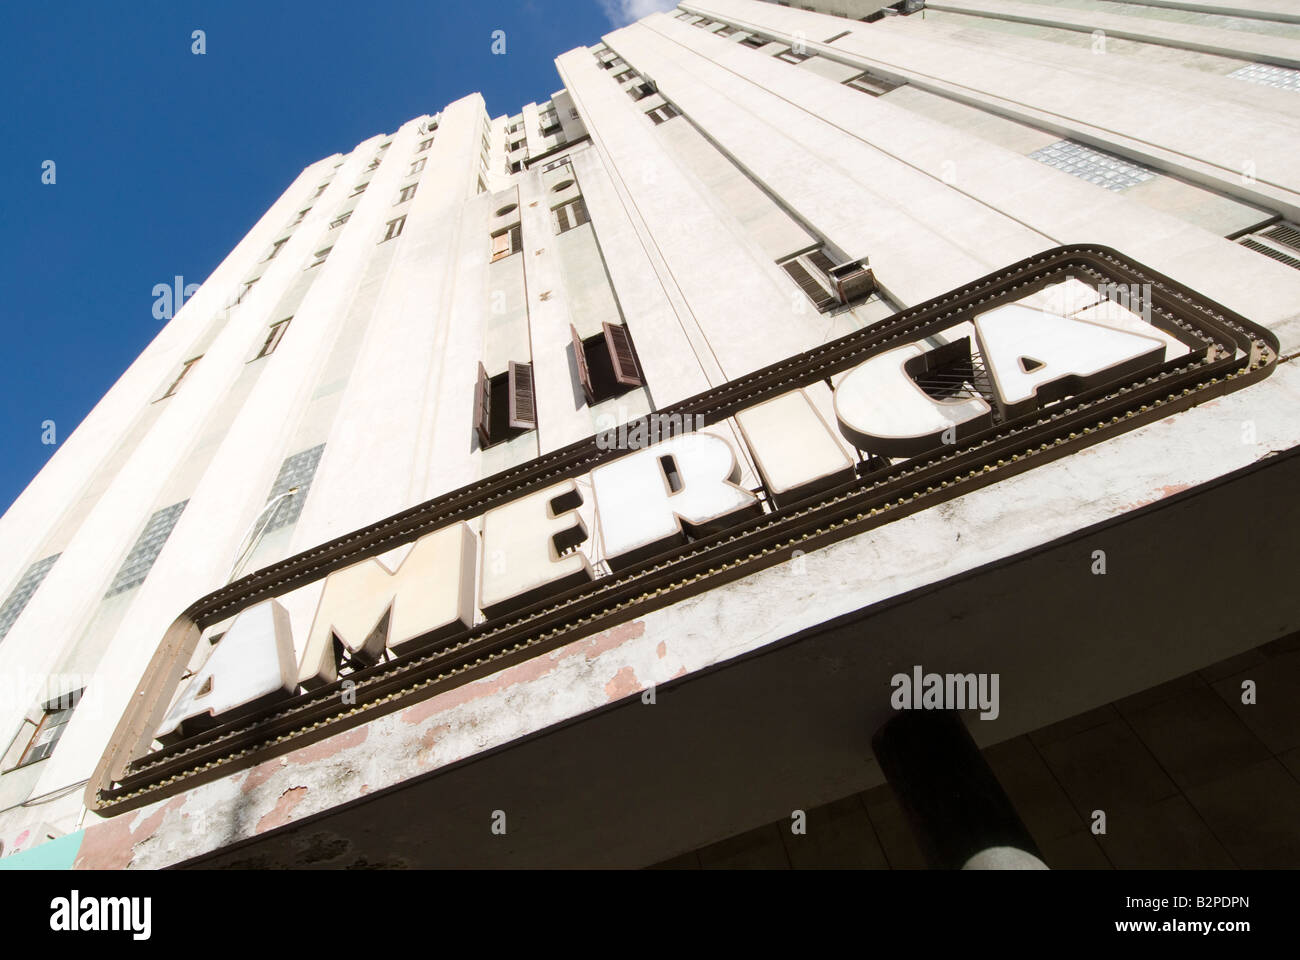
(434, 338)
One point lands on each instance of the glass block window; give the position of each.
(1284, 77)
(23, 592)
(140, 560)
(296, 471)
(1095, 166)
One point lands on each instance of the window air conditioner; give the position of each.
(853, 280)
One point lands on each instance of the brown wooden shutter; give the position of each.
(821, 261)
(815, 291)
(626, 370)
(584, 373)
(562, 219)
(523, 411)
(483, 407)
(516, 238)
(580, 216)
(500, 245)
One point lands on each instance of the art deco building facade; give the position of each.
(433, 340)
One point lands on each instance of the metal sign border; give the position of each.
(1239, 353)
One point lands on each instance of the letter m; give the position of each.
(115, 913)
(962, 689)
(366, 608)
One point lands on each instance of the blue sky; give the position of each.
(165, 159)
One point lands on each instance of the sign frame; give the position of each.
(1233, 353)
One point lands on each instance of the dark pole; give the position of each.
(959, 812)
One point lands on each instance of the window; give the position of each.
(639, 91)
(826, 283)
(395, 228)
(515, 167)
(662, 113)
(725, 31)
(148, 545)
(507, 242)
(295, 478)
(320, 257)
(320, 190)
(872, 84)
(516, 145)
(23, 592)
(374, 164)
(549, 121)
(360, 189)
(1278, 241)
(247, 286)
(789, 56)
(753, 41)
(407, 193)
(340, 220)
(417, 166)
(503, 405)
(607, 364)
(625, 75)
(1106, 170)
(570, 215)
(810, 277)
(301, 214)
(275, 248)
(185, 369)
(50, 729)
(273, 336)
(424, 145)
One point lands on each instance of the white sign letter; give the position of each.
(1035, 357)
(644, 499)
(252, 666)
(526, 541)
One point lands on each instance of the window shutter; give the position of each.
(523, 412)
(821, 261)
(626, 370)
(579, 207)
(516, 238)
(815, 291)
(483, 408)
(584, 373)
(500, 245)
(562, 218)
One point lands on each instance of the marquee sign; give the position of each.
(1028, 364)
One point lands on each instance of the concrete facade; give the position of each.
(934, 168)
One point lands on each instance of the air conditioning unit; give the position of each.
(853, 280)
